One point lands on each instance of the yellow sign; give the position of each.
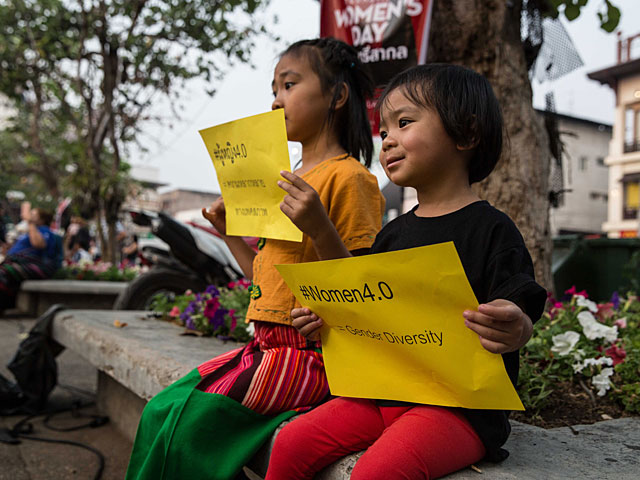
(248, 155)
(394, 329)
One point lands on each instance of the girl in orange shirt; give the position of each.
(211, 422)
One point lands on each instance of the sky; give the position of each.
(181, 158)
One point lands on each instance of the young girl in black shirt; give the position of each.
(441, 130)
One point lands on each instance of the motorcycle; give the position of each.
(197, 257)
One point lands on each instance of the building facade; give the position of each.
(623, 159)
(180, 200)
(581, 205)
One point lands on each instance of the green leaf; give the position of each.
(611, 19)
(572, 12)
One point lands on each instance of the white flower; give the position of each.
(83, 262)
(602, 382)
(564, 343)
(578, 354)
(579, 366)
(594, 329)
(583, 302)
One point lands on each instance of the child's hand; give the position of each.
(307, 323)
(216, 214)
(302, 205)
(500, 324)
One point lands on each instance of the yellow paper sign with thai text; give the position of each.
(394, 329)
(248, 156)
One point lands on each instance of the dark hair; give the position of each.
(46, 216)
(466, 104)
(336, 63)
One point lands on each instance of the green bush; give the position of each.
(98, 271)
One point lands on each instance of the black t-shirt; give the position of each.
(497, 265)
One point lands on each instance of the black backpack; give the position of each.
(34, 368)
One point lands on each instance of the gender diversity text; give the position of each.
(426, 337)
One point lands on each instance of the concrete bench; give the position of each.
(36, 296)
(137, 361)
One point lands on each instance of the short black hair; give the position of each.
(46, 216)
(466, 105)
(336, 62)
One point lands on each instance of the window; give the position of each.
(631, 192)
(632, 128)
(600, 162)
(582, 164)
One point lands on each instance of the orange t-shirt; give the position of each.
(352, 198)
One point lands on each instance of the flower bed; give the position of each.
(97, 271)
(585, 355)
(218, 311)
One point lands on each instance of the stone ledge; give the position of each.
(147, 355)
(36, 296)
(593, 452)
(73, 286)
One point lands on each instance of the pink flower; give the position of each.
(175, 311)
(234, 320)
(605, 310)
(211, 307)
(572, 291)
(556, 307)
(616, 353)
(621, 322)
(189, 292)
(231, 285)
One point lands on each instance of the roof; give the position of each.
(562, 116)
(611, 75)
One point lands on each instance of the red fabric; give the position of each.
(419, 442)
(274, 373)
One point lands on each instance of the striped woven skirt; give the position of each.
(16, 268)
(210, 423)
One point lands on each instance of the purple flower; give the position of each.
(217, 320)
(192, 308)
(212, 290)
(189, 324)
(615, 299)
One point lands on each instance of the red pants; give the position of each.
(402, 442)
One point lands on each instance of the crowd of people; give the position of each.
(31, 249)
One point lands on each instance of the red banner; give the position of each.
(390, 35)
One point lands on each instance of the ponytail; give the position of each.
(336, 63)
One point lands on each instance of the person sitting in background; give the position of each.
(3, 234)
(3, 230)
(129, 251)
(36, 254)
(79, 249)
(77, 240)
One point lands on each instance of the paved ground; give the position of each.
(34, 460)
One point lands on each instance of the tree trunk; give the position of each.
(485, 36)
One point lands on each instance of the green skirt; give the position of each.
(185, 433)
